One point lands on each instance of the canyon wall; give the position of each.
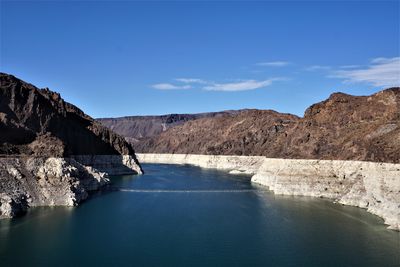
(51, 152)
(136, 128)
(343, 127)
(35, 181)
(370, 185)
(111, 164)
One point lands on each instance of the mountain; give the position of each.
(135, 128)
(51, 153)
(245, 133)
(39, 122)
(350, 128)
(342, 127)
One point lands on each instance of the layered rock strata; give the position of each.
(370, 185)
(51, 152)
(34, 181)
(135, 128)
(343, 127)
(111, 164)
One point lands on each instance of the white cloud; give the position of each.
(317, 67)
(380, 60)
(168, 86)
(239, 86)
(191, 80)
(274, 63)
(382, 72)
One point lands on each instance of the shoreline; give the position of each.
(27, 181)
(374, 186)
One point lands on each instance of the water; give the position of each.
(188, 216)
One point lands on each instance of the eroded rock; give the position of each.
(51, 153)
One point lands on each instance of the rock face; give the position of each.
(39, 122)
(111, 164)
(371, 185)
(250, 132)
(343, 127)
(47, 181)
(336, 150)
(350, 128)
(135, 128)
(51, 153)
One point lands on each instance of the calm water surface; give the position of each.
(197, 217)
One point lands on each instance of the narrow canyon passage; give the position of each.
(188, 216)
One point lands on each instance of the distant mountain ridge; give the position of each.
(342, 127)
(134, 128)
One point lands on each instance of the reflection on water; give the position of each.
(188, 216)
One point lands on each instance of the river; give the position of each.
(188, 216)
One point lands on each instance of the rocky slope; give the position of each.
(336, 150)
(51, 153)
(135, 128)
(44, 181)
(343, 127)
(249, 132)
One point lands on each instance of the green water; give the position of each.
(188, 216)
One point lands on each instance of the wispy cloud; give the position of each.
(191, 80)
(169, 86)
(239, 86)
(318, 68)
(382, 72)
(380, 60)
(274, 63)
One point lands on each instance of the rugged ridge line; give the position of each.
(51, 152)
(370, 185)
(136, 128)
(343, 127)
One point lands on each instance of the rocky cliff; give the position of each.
(136, 128)
(51, 153)
(45, 181)
(343, 127)
(346, 148)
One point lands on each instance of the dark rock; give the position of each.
(342, 127)
(39, 122)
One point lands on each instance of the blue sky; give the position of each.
(137, 58)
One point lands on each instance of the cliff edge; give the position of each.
(51, 152)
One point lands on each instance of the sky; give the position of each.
(120, 58)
